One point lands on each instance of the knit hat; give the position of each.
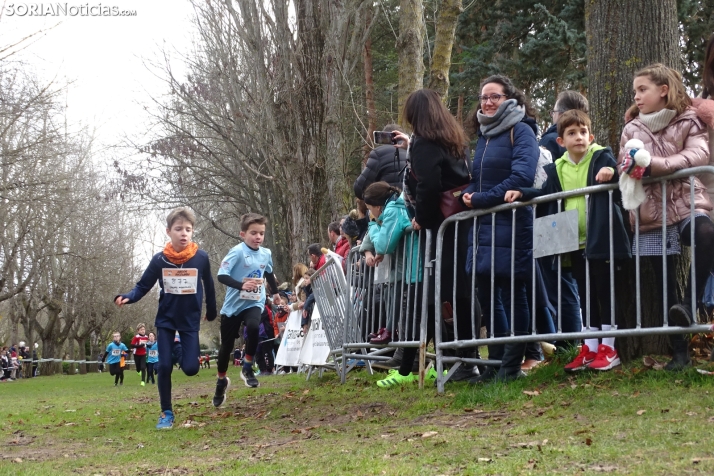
(350, 228)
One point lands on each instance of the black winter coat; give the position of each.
(597, 245)
(385, 163)
(434, 170)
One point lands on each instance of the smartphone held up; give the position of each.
(384, 138)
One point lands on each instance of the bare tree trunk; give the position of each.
(410, 44)
(623, 37)
(82, 354)
(443, 44)
(369, 94)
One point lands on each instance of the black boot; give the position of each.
(680, 315)
(511, 362)
(465, 371)
(680, 353)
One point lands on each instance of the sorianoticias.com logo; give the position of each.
(65, 10)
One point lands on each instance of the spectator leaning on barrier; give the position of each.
(570, 302)
(506, 158)
(317, 257)
(385, 163)
(437, 163)
(676, 139)
(386, 230)
(583, 165)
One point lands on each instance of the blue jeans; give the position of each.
(511, 354)
(189, 360)
(570, 302)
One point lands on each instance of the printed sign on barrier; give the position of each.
(291, 344)
(315, 348)
(556, 234)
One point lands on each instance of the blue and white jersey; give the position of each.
(114, 351)
(243, 263)
(152, 352)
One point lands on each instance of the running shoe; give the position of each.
(249, 377)
(395, 378)
(220, 396)
(606, 358)
(142, 383)
(166, 420)
(584, 358)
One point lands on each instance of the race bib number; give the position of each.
(116, 352)
(153, 353)
(256, 293)
(180, 281)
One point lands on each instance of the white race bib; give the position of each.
(180, 281)
(256, 293)
(153, 353)
(116, 352)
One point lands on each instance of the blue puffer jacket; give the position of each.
(500, 165)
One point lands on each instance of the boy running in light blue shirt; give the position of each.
(243, 270)
(113, 355)
(152, 357)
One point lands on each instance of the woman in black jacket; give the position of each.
(437, 162)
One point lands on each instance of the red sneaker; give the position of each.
(606, 359)
(584, 358)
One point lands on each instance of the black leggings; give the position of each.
(150, 372)
(117, 372)
(230, 326)
(140, 362)
(703, 262)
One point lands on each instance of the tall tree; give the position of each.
(623, 37)
(411, 50)
(443, 45)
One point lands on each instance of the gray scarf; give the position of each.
(508, 115)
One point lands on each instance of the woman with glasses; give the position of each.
(506, 158)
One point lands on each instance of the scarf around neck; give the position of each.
(508, 115)
(182, 256)
(656, 121)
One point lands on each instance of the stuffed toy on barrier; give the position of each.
(632, 168)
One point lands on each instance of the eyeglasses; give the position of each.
(494, 98)
(554, 112)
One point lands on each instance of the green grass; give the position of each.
(629, 421)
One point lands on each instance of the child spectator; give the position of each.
(585, 164)
(183, 272)
(152, 357)
(113, 355)
(676, 138)
(138, 345)
(243, 270)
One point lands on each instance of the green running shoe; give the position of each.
(431, 374)
(395, 378)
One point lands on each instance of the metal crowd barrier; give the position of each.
(332, 299)
(390, 296)
(470, 218)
